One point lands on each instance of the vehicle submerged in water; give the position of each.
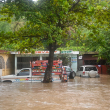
(37, 71)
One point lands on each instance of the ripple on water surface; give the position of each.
(76, 94)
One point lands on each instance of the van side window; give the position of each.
(80, 68)
(87, 68)
(90, 68)
(24, 72)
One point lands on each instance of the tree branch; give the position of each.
(74, 5)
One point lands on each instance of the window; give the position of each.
(24, 62)
(24, 72)
(90, 68)
(80, 68)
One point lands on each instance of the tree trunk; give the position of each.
(48, 72)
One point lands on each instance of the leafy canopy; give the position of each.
(52, 21)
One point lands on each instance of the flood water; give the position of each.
(76, 94)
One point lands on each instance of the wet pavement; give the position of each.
(76, 94)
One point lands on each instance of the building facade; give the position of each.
(91, 58)
(23, 60)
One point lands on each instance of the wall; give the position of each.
(74, 62)
(80, 62)
(89, 57)
(6, 64)
(103, 69)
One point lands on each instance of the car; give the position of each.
(71, 74)
(90, 71)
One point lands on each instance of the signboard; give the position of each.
(47, 52)
(65, 52)
(74, 59)
(80, 57)
(69, 52)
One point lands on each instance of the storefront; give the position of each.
(23, 60)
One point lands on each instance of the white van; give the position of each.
(88, 71)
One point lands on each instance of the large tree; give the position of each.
(49, 22)
(98, 37)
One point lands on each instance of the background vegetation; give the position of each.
(81, 25)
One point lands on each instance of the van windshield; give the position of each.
(24, 72)
(68, 69)
(90, 68)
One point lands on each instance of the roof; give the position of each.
(4, 51)
(88, 66)
(88, 53)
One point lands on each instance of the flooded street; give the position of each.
(76, 94)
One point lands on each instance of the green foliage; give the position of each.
(66, 60)
(60, 22)
(100, 43)
(55, 23)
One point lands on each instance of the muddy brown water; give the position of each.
(76, 94)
